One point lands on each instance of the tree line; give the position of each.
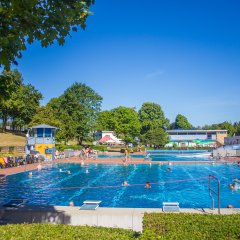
(77, 114)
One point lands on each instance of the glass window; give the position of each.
(48, 132)
(39, 132)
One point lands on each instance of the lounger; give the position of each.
(90, 205)
(171, 207)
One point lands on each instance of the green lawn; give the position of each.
(10, 139)
(156, 226)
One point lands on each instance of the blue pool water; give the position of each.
(175, 151)
(51, 187)
(159, 157)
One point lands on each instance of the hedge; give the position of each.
(99, 148)
(190, 226)
(58, 232)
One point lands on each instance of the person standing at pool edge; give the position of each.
(126, 155)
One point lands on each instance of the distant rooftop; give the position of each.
(43, 126)
(194, 130)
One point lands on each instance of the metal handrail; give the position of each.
(211, 191)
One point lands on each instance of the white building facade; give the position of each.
(193, 138)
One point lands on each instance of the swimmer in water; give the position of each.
(234, 186)
(125, 183)
(236, 180)
(60, 170)
(169, 169)
(87, 171)
(30, 174)
(147, 185)
(148, 156)
(68, 172)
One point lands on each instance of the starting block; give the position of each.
(171, 207)
(90, 205)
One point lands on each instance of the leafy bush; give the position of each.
(66, 232)
(11, 149)
(190, 226)
(113, 150)
(99, 148)
(122, 150)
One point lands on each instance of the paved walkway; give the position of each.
(127, 218)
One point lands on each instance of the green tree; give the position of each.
(80, 106)
(67, 128)
(227, 126)
(45, 21)
(24, 103)
(126, 123)
(19, 101)
(9, 83)
(105, 121)
(231, 128)
(156, 137)
(152, 116)
(45, 115)
(48, 115)
(237, 128)
(182, 122)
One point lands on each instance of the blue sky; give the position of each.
(183, 55)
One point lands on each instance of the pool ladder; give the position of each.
(212, 191)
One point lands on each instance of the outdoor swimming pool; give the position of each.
(51, 187)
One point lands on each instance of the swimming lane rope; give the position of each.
(118, 186)
(129, 185)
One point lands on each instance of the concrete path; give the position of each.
(127, 218)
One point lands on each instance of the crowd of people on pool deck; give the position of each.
(11, 161)
(88, 152)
